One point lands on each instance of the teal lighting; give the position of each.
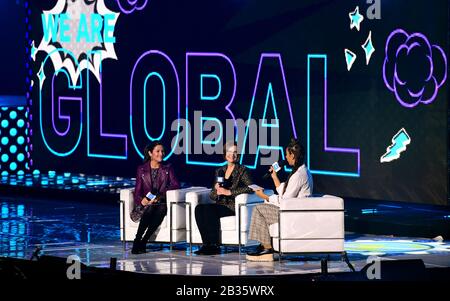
(20, 157)
(13, 166)
(13, 132)
(13, 114)
(13, 149)
(394, 246)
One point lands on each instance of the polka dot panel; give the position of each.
(13, 140)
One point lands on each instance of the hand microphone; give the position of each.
(277, 166)
(221, 181)
(220, 178)
(151, 195)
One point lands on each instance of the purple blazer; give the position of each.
(165, 180)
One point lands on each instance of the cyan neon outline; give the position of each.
(264, 121)
(80, 86)
(227, 107)
(325, 137)
(203, 97)
(102, 134)
(277, 56)
(145, 105)
(131, 100)
(61, 98)
(201, 130)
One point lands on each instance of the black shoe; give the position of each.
(139, 247)
(258, 249)
(208, 250)
(201, 251)
(261, 251)
(214, 250)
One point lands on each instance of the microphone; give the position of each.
(220, 178)
(277, 166)
(151, 195)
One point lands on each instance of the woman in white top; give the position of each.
(299, 184)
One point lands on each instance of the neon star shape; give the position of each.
(368, 48)
(33, 51)
(355, 19)
(41, 76)
(350, 58)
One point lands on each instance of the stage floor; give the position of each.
(180, 262)
(91, 231)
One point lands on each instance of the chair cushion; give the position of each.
(326, 202)
(310, 225)
(228, 223)
(310, 246)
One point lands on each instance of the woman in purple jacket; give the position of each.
(156, 178)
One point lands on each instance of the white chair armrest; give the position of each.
(126, 206)
(250, 198)
(244, 204)
(246, 198)
(176, 211)
(199, 197)
(127, 196)
(193, 198)
(325, 203)
(125, 191)
(179, 195)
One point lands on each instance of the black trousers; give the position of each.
(150, 221)
(208, 221)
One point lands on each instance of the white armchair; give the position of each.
(310, 225)
(231, 226)
(173, 227)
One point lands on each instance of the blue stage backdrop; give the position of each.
(363, 84)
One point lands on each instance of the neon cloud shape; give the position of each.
(404, 51)
(129, 6)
